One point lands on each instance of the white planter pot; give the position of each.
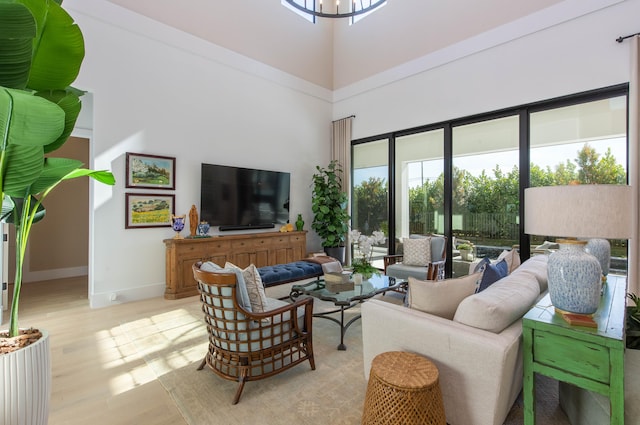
(25, 384)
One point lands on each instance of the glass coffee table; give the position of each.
(344, 300)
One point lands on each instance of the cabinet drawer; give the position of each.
(571, 355)
(280, 241)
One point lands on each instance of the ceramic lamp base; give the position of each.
(574, 278)
(601, 249)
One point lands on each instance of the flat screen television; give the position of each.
(237, 198)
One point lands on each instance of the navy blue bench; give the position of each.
(290, 272)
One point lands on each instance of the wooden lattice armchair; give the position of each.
(432, 269)
(245, 346)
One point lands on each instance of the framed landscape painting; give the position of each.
(151, 171)
(148, 210)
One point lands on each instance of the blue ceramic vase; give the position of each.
(574, 278)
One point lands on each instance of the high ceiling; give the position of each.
(331, 53)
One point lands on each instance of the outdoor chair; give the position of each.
(246, 346)
(428, 269)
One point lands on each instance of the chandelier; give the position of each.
(334, 8)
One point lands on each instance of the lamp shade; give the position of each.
(577, 211)
(580, 211)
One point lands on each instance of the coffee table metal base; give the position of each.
(343, 327)
(344, 300)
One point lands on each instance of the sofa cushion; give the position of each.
(253, 284)
(497, 307)
(537, 267)
(417, 252)
(440, 297)
(493, 273)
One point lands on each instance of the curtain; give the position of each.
(634, 164)
(341, 151)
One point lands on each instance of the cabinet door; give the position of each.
(282, 256)
(298, 244)
(187, 284)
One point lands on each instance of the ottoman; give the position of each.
(403, 389)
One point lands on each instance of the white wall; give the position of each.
(559, 52)
(161, 91)
(198, 103)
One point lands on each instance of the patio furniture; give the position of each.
(432, 269)
(246, 346)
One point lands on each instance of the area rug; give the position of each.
(173, 345)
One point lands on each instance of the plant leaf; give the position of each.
(59, 46)
(15, 219)
(102, 176)
(53, 172)
(17, 30)
(27, 123)
(69, 101)
(7, 210)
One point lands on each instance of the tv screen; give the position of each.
(239, 198)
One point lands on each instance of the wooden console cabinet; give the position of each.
(261, 249)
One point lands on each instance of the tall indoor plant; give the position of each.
(42, 50)
(329, 206)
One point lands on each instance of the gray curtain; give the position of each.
(341, 151)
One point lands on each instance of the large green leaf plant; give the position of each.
(41, 50)
(329, 205)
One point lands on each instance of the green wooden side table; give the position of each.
(589, 358)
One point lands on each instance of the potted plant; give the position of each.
(42, 50)
(466, 251)
(633, 323)
(364, 252)
(329, 206)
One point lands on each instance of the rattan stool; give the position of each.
(403, 389)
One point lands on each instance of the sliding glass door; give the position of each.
(465, 178)
(419, 183)
(584, 143)
(485, 217)
(370, 192)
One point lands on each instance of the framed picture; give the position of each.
(148, 210)
(151, 171)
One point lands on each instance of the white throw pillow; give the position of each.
(441, 297)
(416, 252)
(512, 258)
(255, 288)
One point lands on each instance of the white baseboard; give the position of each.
(38, 276)
(106, 299)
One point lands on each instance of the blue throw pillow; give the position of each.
(493, 273)
(481, 265)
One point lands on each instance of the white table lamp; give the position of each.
(599, 211)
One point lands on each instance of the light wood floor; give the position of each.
(98, 377)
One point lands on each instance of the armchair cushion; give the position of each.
(441, 297)
(417, 252)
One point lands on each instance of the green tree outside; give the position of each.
(489, 202)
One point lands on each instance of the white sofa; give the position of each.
(480, 370)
